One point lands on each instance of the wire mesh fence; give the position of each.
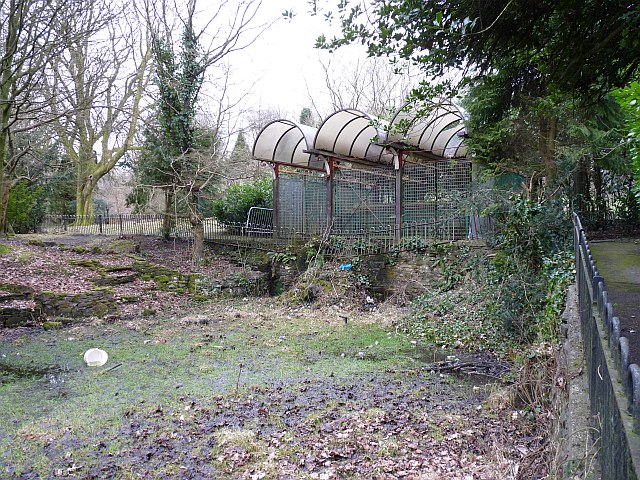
(259, 232)
(301, 203)
(433, 193)
(364, 200)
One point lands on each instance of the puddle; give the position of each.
(12, 373)
(477, 368)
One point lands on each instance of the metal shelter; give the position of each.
(356, 175)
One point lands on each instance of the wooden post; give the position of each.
(399, 166)
(276, 198)
(329, 167)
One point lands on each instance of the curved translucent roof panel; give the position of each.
(283, 141)
(352, 133)
(440, 131)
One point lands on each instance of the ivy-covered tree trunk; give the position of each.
(547, 145)
(168, 219)
(6, 107)
(581, 185)
(5, 189)
(598, 186)
(197, 227)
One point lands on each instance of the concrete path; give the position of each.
(618, 261)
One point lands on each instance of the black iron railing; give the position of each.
(614, 382)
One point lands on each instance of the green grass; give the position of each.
(160, 364)
(4, 249)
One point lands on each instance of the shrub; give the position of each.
(236, 201)
(511, 297)
(25, 210)
(532, 268)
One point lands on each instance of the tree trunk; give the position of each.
(581, 186)
(5, 189)
(197, 227)
(597, 183)
(168, 220)
(198, 242)
(84, 199)
(547, 145)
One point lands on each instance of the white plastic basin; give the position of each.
(94, 357)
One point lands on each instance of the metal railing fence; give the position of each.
(121, 224)
(258, 232)
(614, 383)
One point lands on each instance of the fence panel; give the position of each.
(256, 232)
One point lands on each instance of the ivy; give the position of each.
(629, 100)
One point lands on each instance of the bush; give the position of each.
(235, 203)
(514, 296)
(25, 210)
(532, 267)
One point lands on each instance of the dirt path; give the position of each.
(249, 389)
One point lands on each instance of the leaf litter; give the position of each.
(406, 423)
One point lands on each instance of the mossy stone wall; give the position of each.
(93, 303)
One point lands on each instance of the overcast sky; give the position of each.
(278, 67)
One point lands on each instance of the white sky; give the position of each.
(278, 67)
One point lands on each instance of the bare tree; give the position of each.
(258, 119)
(181, 67)
(29, 43)
(96, 90)
(372, 85)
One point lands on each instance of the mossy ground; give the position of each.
(220, 349)
(253, 388)
(229, 374)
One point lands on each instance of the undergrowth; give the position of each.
(504, 300)
(458, 319)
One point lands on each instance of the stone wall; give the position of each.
(92, 303)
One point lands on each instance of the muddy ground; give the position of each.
(247, 387)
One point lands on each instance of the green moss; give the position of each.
(17, 289)
(101, 309)
(161, 279)
(105, 289)
(88, 263)
(51, 325)
(618, 261)
(124, 246)
(128, 298)
(147, 312)
(36, 242)
(4, 249)
(116, 268)
(192, 283)
(25, 258)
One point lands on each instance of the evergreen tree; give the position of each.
(306, 117)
